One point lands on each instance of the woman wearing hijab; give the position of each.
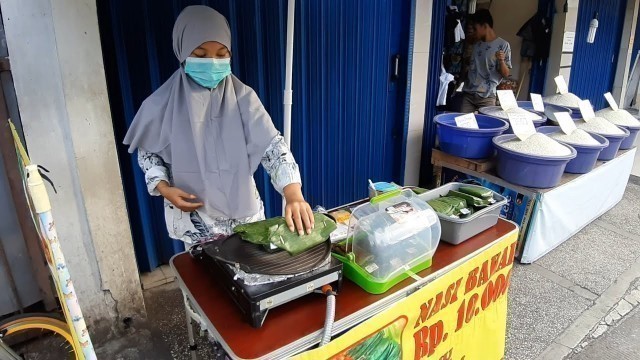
(202, 134)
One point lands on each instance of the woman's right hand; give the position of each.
(180, 199)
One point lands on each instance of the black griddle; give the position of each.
(313, 269)
(254, 259)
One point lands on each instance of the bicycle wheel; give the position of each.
(38, 336)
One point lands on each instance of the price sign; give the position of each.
(522, 125)
(467, 121)
(538, 105)
(566, 122)
(587, 110)
(562, 84)
(507, 100)
(612, 102)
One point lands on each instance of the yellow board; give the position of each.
(459, 316)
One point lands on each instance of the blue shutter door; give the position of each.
(594, 65)
(348, 113)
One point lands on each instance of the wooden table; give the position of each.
(297, 326)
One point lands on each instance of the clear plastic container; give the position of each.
(392, 234)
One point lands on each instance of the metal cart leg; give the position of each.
(192, 341)
(192, 316)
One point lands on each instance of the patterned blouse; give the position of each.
(197, 226)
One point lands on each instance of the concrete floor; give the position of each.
(164, 333)
(567, 304)
(621, 343)
(555, 303)
(636, 165)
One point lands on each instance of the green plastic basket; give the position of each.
(367, 282)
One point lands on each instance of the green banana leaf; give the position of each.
(482, 193)
(275, 231)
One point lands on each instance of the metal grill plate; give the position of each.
(252, 258)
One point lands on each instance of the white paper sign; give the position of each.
(566, 122)
(538, 105)
(587, 110)
(562, 84)
(567, 41)
(507, 100)
(521, 125)
(467, 121)
(612, 102)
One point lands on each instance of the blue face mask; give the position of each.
(207, 72)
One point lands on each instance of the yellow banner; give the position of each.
(459, 316)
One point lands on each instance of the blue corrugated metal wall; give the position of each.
(594, 65)
(433, 84)
(348, 113)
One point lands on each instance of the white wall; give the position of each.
(418, 87)
(625, 56)
(508, 18)
(56, 59)
(559, 62)
(625, 60)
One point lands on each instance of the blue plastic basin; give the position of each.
(575, 111)
(630, 141)
(551, 110)
(548, 108)
(536, 123)
(530, 170)
(615, 141)
(468, 143)
(587, 156)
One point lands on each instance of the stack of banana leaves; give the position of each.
(462, 203)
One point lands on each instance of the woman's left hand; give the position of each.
(298, 213)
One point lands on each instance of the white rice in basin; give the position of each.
(499, 113)
(567, 99)
(537, 144)
(578, 137)
(599, 125)
(618, 117)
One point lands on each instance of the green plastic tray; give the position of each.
(367, 282)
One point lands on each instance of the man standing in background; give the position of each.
(490, 63)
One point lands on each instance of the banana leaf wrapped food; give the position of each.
(471, 200)
(442, 207)
(456, 202)
(451, 206)
(275, 231)
(479, 192)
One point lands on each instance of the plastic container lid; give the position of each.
(393, 233)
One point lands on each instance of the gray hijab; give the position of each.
(213, 139)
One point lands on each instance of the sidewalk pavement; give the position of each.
(620, 343)
(568, 303)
